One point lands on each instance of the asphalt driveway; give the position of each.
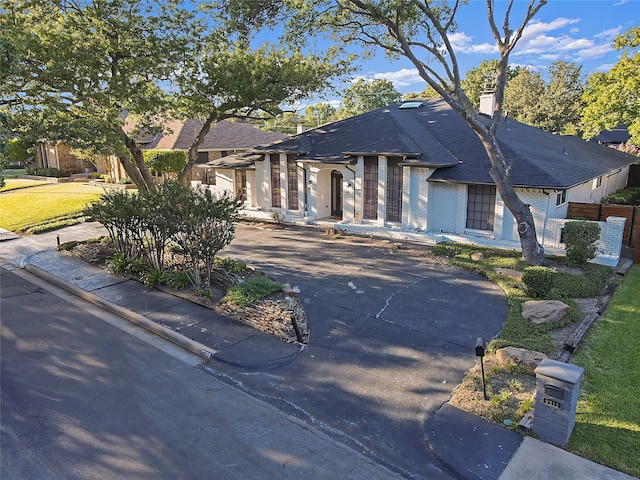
(391, 336)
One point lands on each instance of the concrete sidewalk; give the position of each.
(466, 447)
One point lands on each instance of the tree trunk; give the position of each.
(532, 251)
(133, 172)
(147, 183)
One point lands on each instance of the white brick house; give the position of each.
(417, 171)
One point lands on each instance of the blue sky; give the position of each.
(580, 31)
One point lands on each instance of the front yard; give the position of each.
(607, 428)
(45, 207)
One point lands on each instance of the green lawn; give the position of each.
(17, 183)
(45, 207)
(607, 428)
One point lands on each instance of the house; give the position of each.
(60, 155)
(415, 170)
(225, 139)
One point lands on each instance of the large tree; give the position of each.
(420, 30)
(319, 114)
(522, 97)
(87, 65)
(366, 95)
(483, 78)
(613, 98)
(562, 99)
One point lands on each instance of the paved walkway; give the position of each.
(391, 337)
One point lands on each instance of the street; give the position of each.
(81, 398)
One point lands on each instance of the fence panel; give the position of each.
(600, 212)
(584, 211)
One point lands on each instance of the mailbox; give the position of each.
(557, 387)
(481, 347)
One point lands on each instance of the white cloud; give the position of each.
(401, 78)
(537, 28)
(463, 43)
(604, 67)
(594, 52)
(566, 43)
(609, 34)
(621, 2)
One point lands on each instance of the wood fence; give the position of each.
(600, 211)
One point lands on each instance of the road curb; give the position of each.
(135, 318)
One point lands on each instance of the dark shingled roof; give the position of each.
(434, 135)
(224, 135)
(620, 134)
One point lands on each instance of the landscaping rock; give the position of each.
(274, 314)
(544, 311)
(512, 274)
(520, 356)
(476, 256)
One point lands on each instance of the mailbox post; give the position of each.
(557, 387)
(481, 347)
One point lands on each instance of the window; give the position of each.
(561, 197)
(292, 186)
(597, 182)
(275, 181)
(241, 185)
(481, 203)
(203, 157)
(394, 190)
(370, 188)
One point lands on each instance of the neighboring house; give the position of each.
(416, 170)
(226, 141)
(60, 155)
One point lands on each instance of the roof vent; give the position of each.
(409, 105)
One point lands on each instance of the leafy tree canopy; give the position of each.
(612, 98)
(320, 114)
(364, 96)
(85, 65)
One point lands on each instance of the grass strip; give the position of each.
(607, 428)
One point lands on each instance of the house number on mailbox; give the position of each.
(551, 402)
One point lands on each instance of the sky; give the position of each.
(579, 31)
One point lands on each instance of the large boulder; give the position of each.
(544, 311)
(520, 356)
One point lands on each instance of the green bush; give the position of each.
(229, 265)
(538, 281)
(165, 161)
(625, 196)
(580, 238)
(252, 290)
(47, 172)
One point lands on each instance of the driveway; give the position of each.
(391, 336)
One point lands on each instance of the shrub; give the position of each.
(580, 238)
(625, 196)
(48, 172)
(251, 291)
(229, 265)
(165, 161)
(538, 281)
(443, 250)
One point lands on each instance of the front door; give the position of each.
(336, 194)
